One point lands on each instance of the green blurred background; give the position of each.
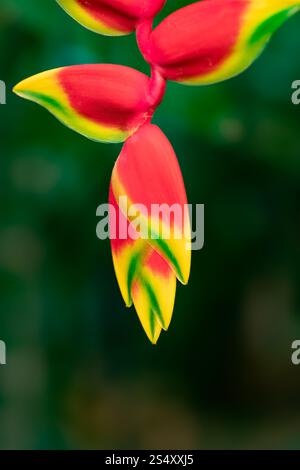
(80, 372)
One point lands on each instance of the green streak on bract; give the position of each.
(153, 301)
(46, 100)
(269, 26)
(152, 323)
(166, 250)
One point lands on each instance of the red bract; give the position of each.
(205, 42)
(195, 40)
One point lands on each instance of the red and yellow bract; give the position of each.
(111, 17)
(104, 102)
(213, 40)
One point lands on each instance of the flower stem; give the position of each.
(143, 32)
(157, 88)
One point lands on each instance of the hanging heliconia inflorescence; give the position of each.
(202, 43)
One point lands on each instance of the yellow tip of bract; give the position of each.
(17, 89)
(37, 87)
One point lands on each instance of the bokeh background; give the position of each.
(80, 372)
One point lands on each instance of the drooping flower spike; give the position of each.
(111, 17)
(203, 43)
(147, 177)
(213, 40)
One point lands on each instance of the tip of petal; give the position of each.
(182, 266)
(184, 280)
(155, 336)
(155, 339)
(20, 88)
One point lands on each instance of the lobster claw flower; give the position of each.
(111, 17)
(214, 40)
(153, 246)
(105, 103)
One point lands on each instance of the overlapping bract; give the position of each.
(213, 40)
(206, 42)
(148, 178)
(111, 17)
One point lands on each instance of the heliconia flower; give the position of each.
(106, 103)
(111, 17)
(213, 40)
(147, 174)
(203, 43)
